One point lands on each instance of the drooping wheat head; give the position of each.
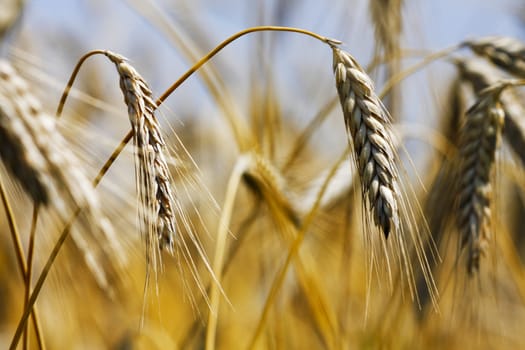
(479, 141)
(393, 208)
(157, 201)
(368, 129)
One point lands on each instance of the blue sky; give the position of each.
(114, 25)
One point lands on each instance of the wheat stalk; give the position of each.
(369, 131)
(506, 53)
(479, 140)
(157, 201)
(38, 157)
(387, 19)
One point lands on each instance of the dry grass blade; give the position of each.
(157, 201)
(37, 155)
(479, 141)
(369, 131)
(507, 53)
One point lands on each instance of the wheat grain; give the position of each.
(507, 53)
(157, 201)
(369, 131)
(479, 141)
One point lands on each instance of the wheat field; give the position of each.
(262, 175)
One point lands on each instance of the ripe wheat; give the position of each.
(479, 140)
(157, 201)
(38, 156)
(369, 131)
(479, 75)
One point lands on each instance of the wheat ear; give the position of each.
(369, 131)
(480, 75)
(506, 53)
(479, 140)
(19, 149)
(157, 201)
(38, 156)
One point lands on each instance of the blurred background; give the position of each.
(260, 95)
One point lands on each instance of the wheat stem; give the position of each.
(279, 279)
(72, 78)
(29, 274)
(19, 252)
(220, 248)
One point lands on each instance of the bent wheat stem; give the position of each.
(234, 37)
